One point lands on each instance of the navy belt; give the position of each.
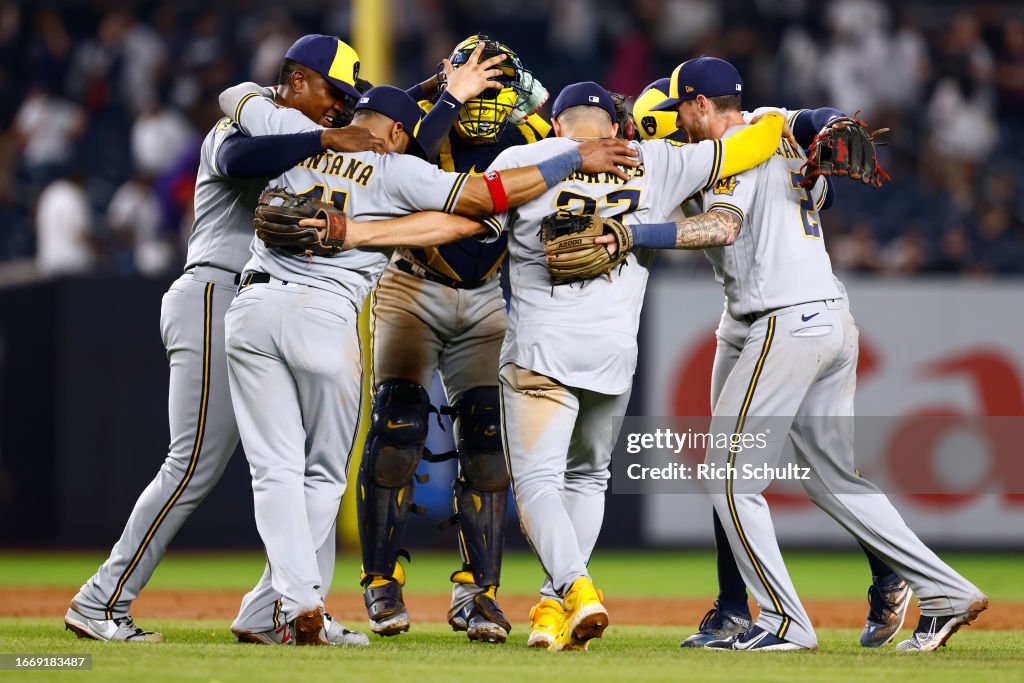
(254, 278)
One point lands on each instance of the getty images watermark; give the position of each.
(669, 441)
(943, 457)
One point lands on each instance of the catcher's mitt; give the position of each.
(570, 252)
(277, 223)
(844, 148)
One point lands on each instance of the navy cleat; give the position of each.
(719, 623)
(754, 638)
(888, 608)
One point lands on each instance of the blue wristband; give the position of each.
(654, 235)
(556, 169)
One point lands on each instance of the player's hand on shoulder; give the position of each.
(787, 132)
(608, 156)
(473, 77)
(351, 139)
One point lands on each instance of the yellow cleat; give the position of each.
(546, 619)
(585, 617)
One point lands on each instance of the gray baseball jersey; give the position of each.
(366, 186)
(553, 330)
(570, 352)
(768, 267)
(789, 370)
(224, 206)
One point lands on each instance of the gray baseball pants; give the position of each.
(203, 437)
(558, 441)
(295, 375)
(797, 369)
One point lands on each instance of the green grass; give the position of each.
(682, 574)
(202, 651)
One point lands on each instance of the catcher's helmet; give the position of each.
(484, 117)
(654, 125)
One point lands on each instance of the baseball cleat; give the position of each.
(281, 635)
(888, 609)
(585, 617)
(481, 617)
(487, 623)
(754, 639)
(720, 623)
(122, 628)
(458, 615)
(334, 634)
(337, 634)
(308, 628)
(385, 607)
(546, 619)
(933, 632)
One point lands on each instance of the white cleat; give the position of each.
(122, 629)
(334, 634)
(933, 632)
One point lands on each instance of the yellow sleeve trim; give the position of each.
(792, 117)
(238, 109)
(453, 196)
(727, 207)
(821, 199)
(492, 223)
(752, 145)
(716, 166)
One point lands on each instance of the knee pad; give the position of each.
(398, 430)
(481, 457)
(394, 447)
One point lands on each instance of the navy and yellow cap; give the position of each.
(653, 124)
(585, 94)
(330, 57)
(707, 76)
(397, 105)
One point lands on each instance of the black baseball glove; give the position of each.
(845, 148)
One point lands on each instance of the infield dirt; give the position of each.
(347, 607)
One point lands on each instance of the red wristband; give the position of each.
(497, 190)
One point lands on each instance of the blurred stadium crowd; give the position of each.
(105, 105)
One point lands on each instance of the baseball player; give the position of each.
(463, 84)
(888, 595)
(441, 308)
(292, 342)
(569, 354)
(794, 368)
(203, 429)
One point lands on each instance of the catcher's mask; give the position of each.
(483, 118)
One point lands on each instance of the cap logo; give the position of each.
(688, 88)
(594, 98)
(739, 87)
(364, 100)
(345, 66)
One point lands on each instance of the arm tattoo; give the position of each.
(711, 229)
